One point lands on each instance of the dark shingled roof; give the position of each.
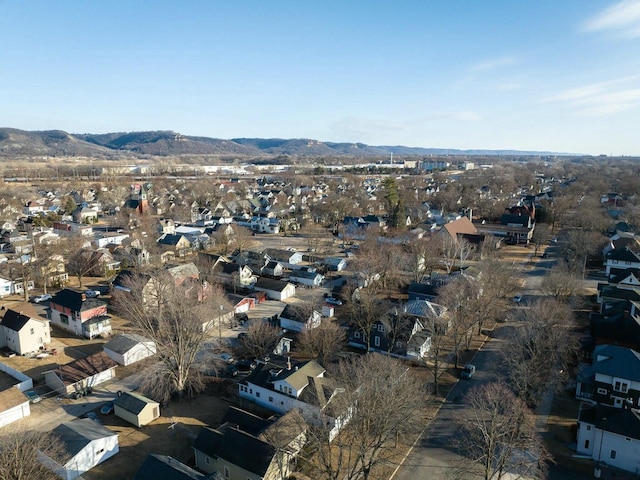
(623, 255)
(132, 402)
(271, 284)
(245, 421)
(76, 301)
(163, 467)
(236, 447)
(615, 420)
(619, 362)
(14, 320)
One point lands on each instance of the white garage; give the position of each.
(13, 406)
(128, 348)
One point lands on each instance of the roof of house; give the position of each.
(271, 284)
(172, 239)
(281, 255)
(460, 226)
(236, 447)
(125, 341)
(513, 219)
(283, 430)
(10, 398)
(423, 308)
(76, 301)
(156, 467)
(304, 274)
(620, 362)
(82, 368)
(419, 288)
(623, 255)
(14, 320)
(243, 420)
(623, 275)
(277, 369)
(622, 421)
(77, 434)
(133, 402)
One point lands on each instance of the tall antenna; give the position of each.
(391, 158)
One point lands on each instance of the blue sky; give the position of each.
(504, 74)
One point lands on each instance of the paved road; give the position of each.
(435, 454)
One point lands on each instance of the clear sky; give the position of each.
(499, 74)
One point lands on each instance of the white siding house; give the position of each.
(128, 348)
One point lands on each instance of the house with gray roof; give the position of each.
(614, 378)
(156, 467)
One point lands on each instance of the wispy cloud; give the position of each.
(623, 19)
(601, 99)
(493, 63)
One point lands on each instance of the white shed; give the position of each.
(128, 348)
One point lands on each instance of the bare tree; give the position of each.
(540, 236)
(261, 339)
(499, 435)
(80, 260)
(561, 283)
(366, 309)
(385, 403)
(322, 342)
(460, 297)
(540, 349)
(422, 258)
(242, 239)
(177, 318)
(20, 454)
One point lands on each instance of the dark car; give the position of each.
(32, 396)
(468, 371)
(107, 408)
(246, 365)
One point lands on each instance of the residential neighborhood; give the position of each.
(226, 313)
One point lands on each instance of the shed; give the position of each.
(86, 444)
(136, 409)
(128, 348)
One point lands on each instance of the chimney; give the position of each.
(288, 363)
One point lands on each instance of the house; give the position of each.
(619, 260)
(275, 289)
(231, 273)
(175, 243)
(618, 324)
(404, 333)
(285, 257)
(6, 287)
(280, 384)
(128, 348)
(24, 332)
(74, 312)
(298, 320)
(14, 405)
(610, 436)
(164, 467)
(307, 278)
(614, 379)
(265, 225)
(86, 443)
(424, 290)
(85, 214)
(457, 229)
(335, 264)
(246, 447)
(79, 375)
(273, 268)
(136, 409)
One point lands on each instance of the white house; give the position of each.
(610, 436)
(86, 444)
(275, 289)
(335, 264)
(280, 384)
(621, 259)
(297, 321)
(14, 405)
(304, 277)
(22, 332)
(128, 348)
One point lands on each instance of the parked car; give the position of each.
(32, 396)
(225, 357)
(92, 293)
(243, 336)
(222, 372)
(554, 240)
(333, 301)
(468, 371)
(246, 365)
(93, 416)
(107, 408)
(517, 298)
(42, 298)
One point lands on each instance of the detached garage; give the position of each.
(129, 348)
(136, 409)
(81, 374)
(13, 406)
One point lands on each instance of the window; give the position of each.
(613, 454)
(207, 461)
(251, 391)
(356, 335)
(33, 331)
(586, 444)
(376, 341)
(258, 394)
(227, 473)
(381, 328)
(100, 451)
(619, 386)
(64, 319)
(588, 428)
(271, 399)
(602, 391)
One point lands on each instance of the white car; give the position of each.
(42, 298)
(92, 293)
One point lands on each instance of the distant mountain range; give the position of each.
(55, 143)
